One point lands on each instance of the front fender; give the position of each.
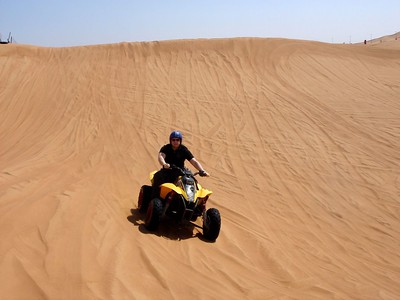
(203, 193)
(165, 188)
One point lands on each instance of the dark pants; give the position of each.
(163, 176)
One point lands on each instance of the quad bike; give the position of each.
(184, 201)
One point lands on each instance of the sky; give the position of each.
(64, 23)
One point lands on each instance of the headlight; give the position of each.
(190, 190)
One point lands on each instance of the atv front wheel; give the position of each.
(144, 198)
(211, 224)
(153, 215)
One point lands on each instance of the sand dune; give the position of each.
(301, 138)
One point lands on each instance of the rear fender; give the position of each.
(151, 176)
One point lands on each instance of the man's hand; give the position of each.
(203, 173)
(166, 166)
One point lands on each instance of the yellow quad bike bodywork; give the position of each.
(166, 188)
(184, 201)
(177, 187)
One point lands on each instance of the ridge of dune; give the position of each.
(388, 41)
(301, 138)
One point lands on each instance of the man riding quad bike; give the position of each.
(184, 201)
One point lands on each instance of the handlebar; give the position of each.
(183, 172)
(200, 174)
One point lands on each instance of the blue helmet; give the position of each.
(175, 135)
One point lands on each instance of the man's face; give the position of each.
(175, 143)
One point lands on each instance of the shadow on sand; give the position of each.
(168, 228)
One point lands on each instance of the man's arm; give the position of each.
(161, 160)
(198, 166)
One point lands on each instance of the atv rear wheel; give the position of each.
(153, 215)
(144, 198)
(211, 224)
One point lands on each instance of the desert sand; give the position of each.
(301, 138)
